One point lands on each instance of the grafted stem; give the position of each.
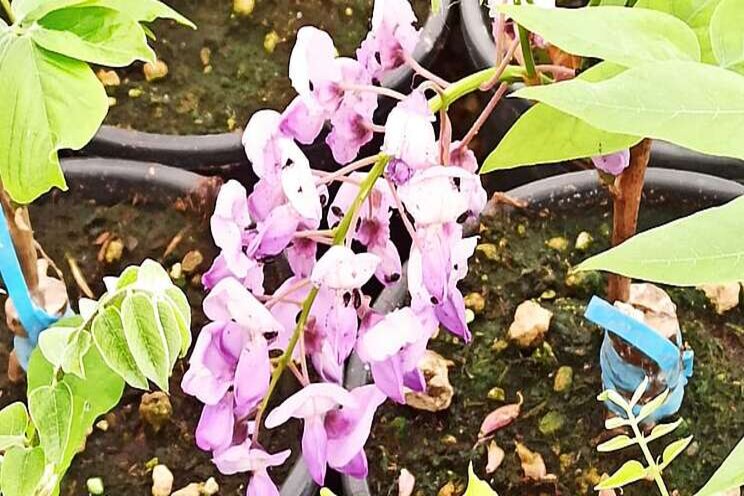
(626, 203)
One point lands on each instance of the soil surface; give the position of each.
(226, 70)
(513, 264)
(123, 455)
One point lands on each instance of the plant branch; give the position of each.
(652, 465)
(483, 117)
(423, 71)
(626, 203)
(524, 41)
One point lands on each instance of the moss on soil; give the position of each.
(242, 76)
(437, 447)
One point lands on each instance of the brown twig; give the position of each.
(77, 275)
(626, 203)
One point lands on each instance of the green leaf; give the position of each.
(673, 451)
(616, 443)
(662, 430)
(183, 315)
(638, 393)
(630, 472)
(695, 13)
(477, 487)
(146, 10)
(65, 347)
(108, 334)
(145, 338)
(152, 277)
(727, 36)
(49, 102)
(170, 328)
(51, 411)
(700, 249)
(95, 34)
(653, 405)
(615, 397)
(628, 37)
(127, 277)
(22, 471)
(729, 475)
(655, 101)
(615, 423)
(13, 425)
(561, 136)
(93, 396)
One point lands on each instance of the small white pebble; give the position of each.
(210, 487)
(162, 481)
(94, 485)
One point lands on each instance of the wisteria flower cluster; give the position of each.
(334, 247)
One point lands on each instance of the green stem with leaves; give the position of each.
(8, 10)
(652, 465)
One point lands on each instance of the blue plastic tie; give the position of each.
(655, 346)
(676, 365)
(33, 318)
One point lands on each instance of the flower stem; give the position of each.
(423, 71)
(380, 90)
(8, 10)
(341, 231)
(524, 41)
(483, 117)
(471, 83)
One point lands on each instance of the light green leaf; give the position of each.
(22, 471)
(638, 393)
(627, 37)
(700, 249)
(27, 11)
(561, 136)
(630, 472)
(616, 443)
(662, 430)
(152, 277)
(127, 277)
(13, 425)
(74, 354)
(183, 315)
(615, 397)
(53, 343)
(51, 410)
(695, 13)
(477, 487)
(615, 423)
(93, 396)
(729, 475)
(49, 102)
(146, 10)
(108, 334)
(673, 451)
(653, 405)
(727, 35)
(145, 338)
(655, 101)
(95, 34)
(170, 329)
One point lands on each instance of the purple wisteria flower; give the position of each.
(613, 163)
(320, 314)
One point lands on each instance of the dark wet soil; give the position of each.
(513, 264)
(123, 455)
(222, 73)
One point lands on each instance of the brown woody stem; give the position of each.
(19, 224)
(626, 203)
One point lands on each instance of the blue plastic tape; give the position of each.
(32, 318)
(675, 365)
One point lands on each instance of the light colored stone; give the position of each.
(475, 302)
(210, 487)
(583, 241)
(724, 297)
(155, 70)
(162, 481)
(243, 8)
(658, 309)
(192, 489)
(532, 463)
(156, 409)
(439, 391)
(531, 322)
(406, 483)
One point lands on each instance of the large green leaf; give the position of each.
(49, 102)
(22, 471)
(51, 410)
(560, 136)
(729, 475)
(656, 101)
(628, 37)
(145, 338)
(99, 35)
(108, 334)
(65, 347)
(183, 316)
(703, 248)
(727, 35)
(13, 425)
(695, 13)
(139, 10)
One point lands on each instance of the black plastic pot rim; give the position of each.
(195, 152)
(543, 193)
(86, 174)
